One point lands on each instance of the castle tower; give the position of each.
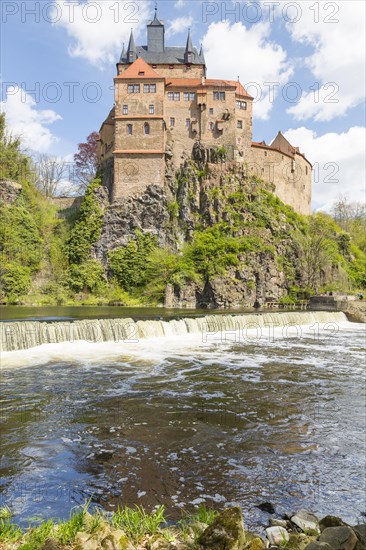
(155, 35)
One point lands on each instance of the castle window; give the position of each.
(149, 88)
(265, 153)
(172, 122)
(129, 129)
(211, 126)
(133, 88)
(125, 109)
(146, 128)
(171, 66)
(188, 123)
(241, 105)
(306, 170)
(174, 96)
(154, 66)
(189, 96)
(211, 111)
(219, 96)
(151, 109)
(239, 124)
(142, 73)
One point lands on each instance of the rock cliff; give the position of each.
(202, 196)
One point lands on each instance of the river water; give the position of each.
(186, 417)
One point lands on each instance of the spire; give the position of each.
(155, 22)
(202, 56)
(123, 54)
(189, 53)
(131, 50)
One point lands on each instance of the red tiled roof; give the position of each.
(137, 68)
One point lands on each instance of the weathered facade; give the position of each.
(164, 105)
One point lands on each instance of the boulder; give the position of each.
(330, 521)
(360, 531)
(277, 535)
(279, 522)
(339, 538)
(226, 532)
(307, 521)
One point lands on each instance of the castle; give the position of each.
(164, 105)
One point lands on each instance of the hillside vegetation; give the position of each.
(230, 242)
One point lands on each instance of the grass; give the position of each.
(137, 523)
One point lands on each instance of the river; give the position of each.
(257, 408)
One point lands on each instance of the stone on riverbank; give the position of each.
(226, 531)
(307, 522)
(339, 538)
(277, 536)
(331, 521)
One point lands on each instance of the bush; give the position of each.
(87, 277)
(129, 264)
(87, 228)
(15, 281)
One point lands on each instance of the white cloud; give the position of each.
(338, 161)
(180, 4)
(23, 119)
(232, 50)
(99, 27)
(337, 36)
(180, 24)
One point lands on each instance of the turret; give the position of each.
(131, 50)
(155, 35)
(189, 53)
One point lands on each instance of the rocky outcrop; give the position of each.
(9, 191)
(147, 213)
(200, 196)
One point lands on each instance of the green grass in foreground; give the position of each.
(135, 522)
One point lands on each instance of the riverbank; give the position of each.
(134, 529)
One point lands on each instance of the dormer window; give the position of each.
(171, 66)
(142, 73)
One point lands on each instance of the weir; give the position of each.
(29, 334)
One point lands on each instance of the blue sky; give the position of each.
(62, 54)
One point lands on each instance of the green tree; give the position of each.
(129, 264)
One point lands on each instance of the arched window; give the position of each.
(146, 128)
(129, 129)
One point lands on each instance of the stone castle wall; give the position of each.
(291, 176)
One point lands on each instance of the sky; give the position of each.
(303, 62)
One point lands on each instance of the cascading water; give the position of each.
(28, 334)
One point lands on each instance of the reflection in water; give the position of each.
(178, 421)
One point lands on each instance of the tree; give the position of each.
(14, 164)
(49, 176)
(318, 251)
(345, 212)
(86, 161)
